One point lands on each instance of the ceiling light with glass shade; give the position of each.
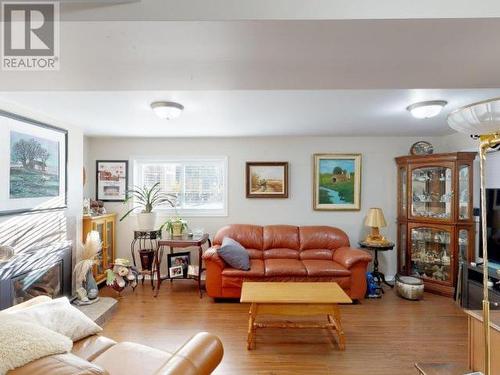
(481, 120)
(427, 109)
(167, 110)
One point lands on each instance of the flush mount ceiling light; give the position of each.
(167, 110)
(426, 109)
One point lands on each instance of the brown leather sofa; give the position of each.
(99, 355)
(287, 253)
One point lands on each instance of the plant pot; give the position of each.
(147, 258)
(146, 221)
(177, 229)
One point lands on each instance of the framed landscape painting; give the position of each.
(267, 179)
(33, 165)
(111, 180)
(337, 182)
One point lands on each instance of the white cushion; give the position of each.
(22, 342)
(60, 316)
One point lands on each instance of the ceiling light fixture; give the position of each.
(167, 110)
(426, 109)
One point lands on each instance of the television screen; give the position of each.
(493, 225)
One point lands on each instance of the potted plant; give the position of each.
(175, 226)
(147, 199)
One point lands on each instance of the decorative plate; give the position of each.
(421, 148)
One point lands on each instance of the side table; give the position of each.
(379, 276)
(144, 238)
(181, 242)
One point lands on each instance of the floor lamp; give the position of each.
(482, 121)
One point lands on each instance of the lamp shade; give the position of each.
(375, 218)
(479, 118)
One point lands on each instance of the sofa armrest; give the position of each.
(200, 355)
(31, 302)
(210, 255)
(348, 256)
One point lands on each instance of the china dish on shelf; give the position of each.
(421, 148)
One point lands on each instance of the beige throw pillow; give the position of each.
(22, 342)
(60, 316)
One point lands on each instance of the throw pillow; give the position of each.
(60, 316)
(234, 254)
(22, 342)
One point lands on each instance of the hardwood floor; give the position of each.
(383, 336)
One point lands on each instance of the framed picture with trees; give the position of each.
(267, 179)
(33, 165)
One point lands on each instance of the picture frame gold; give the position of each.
(337, 182)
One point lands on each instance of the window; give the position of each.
(200, 184)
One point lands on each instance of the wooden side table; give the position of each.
(379, 276)
(181, 242)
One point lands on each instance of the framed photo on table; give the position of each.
(176, 260)
(111, 180)
(337, 182)
(267, 179)
(33, 165)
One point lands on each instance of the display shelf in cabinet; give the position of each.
(105, 225)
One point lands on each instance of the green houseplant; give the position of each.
(147, 199)
(175, 225)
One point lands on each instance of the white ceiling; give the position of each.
(271, 55)
(248, 113)
(275, 9)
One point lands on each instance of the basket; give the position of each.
(409, 287)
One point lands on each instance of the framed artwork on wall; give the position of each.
(267, 179)
(111, 180)
(337, 182)
(33, 165)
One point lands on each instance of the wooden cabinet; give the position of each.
(105, 225)
(435, 226)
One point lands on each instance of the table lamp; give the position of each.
(375, 220)
(481, 121)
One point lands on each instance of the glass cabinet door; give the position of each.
(432, 193)
(403, 192)
(109, 242)
(402, 258)
(430, 252)
(100, 267)
(464, 204)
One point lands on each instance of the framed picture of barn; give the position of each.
(33, 165)
(111, 180)
(337, 182)
(267, 179)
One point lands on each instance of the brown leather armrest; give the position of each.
(210, 255)
(199, 356)
(348, 257)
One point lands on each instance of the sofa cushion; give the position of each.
(322, 237)
(91, 347)
(281, 254)
(256, 270)
(325, 268)
(234, 254)
(127, 358)
(284, 267)
(324, 254)
(281, 236)
(249, 236)
(60, 364)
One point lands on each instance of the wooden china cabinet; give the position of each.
(435, 223)
(105, 225)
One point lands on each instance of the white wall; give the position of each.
(24, 231)
(378, 179)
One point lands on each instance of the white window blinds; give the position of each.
(199, 184)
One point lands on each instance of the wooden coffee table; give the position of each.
(294, 299)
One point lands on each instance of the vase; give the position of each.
(146, 221)
(147, 258)
(91, 285)
(177, 229)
